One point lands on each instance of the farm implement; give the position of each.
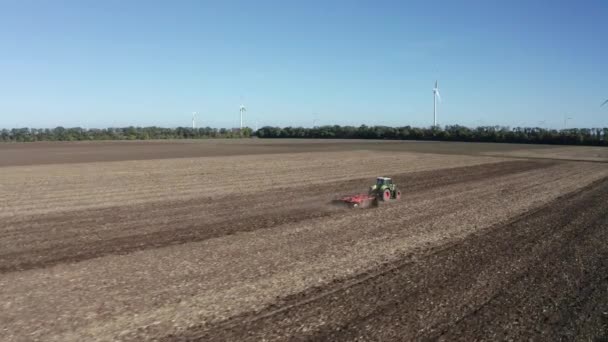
(384, 190)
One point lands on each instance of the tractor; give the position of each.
(383, 190)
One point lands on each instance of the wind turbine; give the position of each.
(604, 103)
(193, 120)
(435, 97)
(241, 110)
(566, 118)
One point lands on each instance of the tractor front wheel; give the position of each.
(386, 195)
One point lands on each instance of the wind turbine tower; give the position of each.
(566, 118)
(436, 97)
(241, 110)
(193, 120)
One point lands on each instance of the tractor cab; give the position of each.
(383, 181)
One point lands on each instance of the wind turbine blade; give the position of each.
(604, 103)
(438, 96)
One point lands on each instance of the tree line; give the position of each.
(535, 135)
(124, 133)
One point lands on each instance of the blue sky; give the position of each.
(119, 63)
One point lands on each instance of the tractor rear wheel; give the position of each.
(386, 195)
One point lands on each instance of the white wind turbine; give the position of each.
(193, 120)
(435, 97)
(241, 110)
(566, 118)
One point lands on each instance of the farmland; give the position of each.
(237, 241)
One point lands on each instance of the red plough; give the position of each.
(359, 201)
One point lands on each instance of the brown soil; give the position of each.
(248, 247)
(86, 152)
(45, 240)
(542, 276)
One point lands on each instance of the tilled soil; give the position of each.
(478, 248)
(104, 151)
(42, 189)
(44, 240)
(542, 276)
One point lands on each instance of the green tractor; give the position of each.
(385, 189)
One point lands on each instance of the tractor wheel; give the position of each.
(386, 195)
(398, 194)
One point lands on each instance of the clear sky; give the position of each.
(119, 63)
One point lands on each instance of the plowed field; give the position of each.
(239, 247)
